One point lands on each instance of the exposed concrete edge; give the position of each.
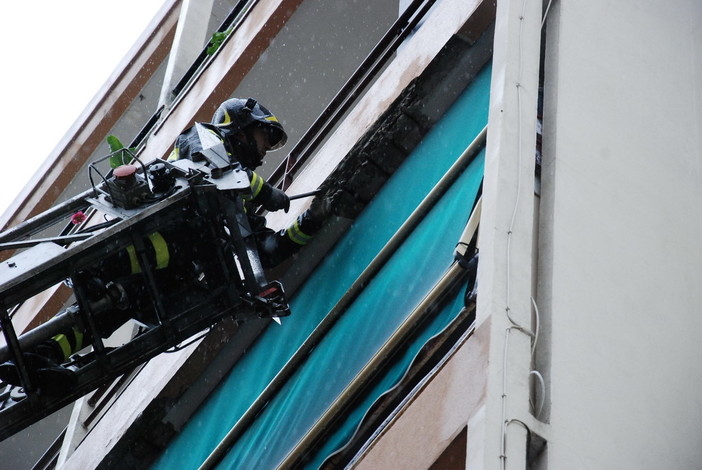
(411, 61)
(385, 146)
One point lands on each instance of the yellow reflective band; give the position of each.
(256, 184)
(227, 119)
(65, 345)
(175, 155)
(163, 257)
(272, 118)
(297, 235)
(78, 335)
(133, 260)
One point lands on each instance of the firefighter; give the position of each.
(248, 131)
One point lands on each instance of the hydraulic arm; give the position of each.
(172, 250)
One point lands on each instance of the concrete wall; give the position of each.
(620, 233)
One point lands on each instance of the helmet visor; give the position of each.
(275, 136)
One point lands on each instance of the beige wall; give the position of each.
(621, 230)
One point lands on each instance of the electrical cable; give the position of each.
(514, 324)
(537, 321)
(548, 7)
(515, 210)
(542, 396)
(534, 371)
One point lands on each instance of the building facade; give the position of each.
(559, 140)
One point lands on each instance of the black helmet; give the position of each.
(238, 114)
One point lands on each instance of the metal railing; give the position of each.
(357, 83)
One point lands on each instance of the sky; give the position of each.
(55, 56)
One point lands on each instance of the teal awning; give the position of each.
(374, 315)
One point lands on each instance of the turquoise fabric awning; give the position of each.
(370, 320)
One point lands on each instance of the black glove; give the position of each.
(344, 204)
(320, 209)
(277, 200)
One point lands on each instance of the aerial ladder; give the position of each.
(213, 272)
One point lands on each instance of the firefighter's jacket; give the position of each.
(166, 248)
(262, 193)
(274, 247)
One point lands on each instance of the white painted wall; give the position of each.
(621, 233)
